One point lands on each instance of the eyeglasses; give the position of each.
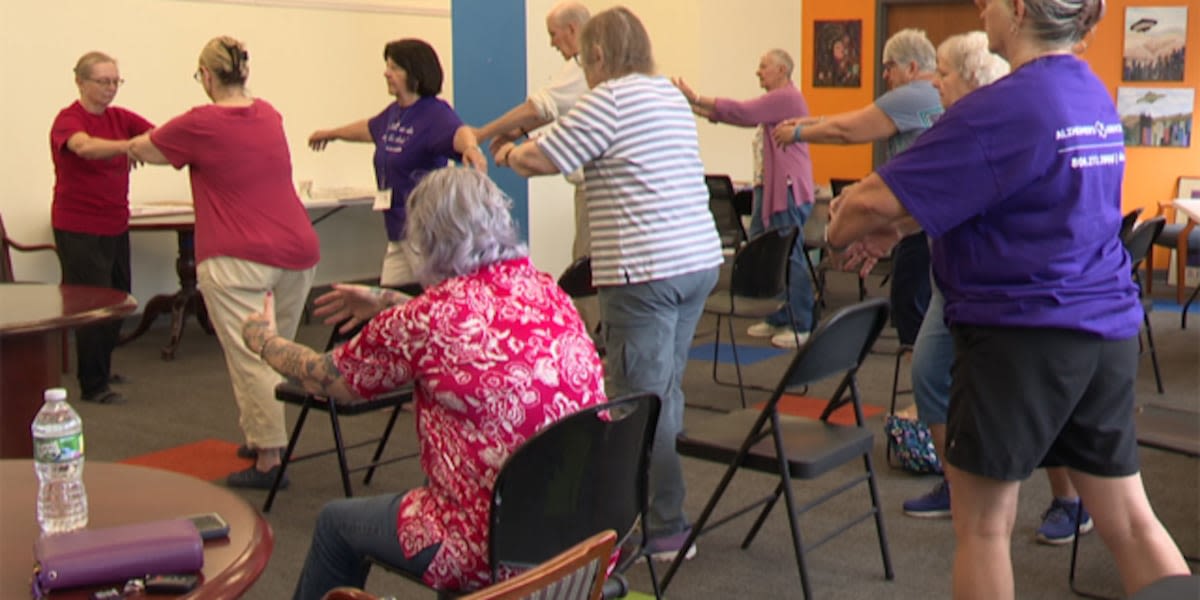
(108, 82)
(888, 65)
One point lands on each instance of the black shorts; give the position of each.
(1024, 398)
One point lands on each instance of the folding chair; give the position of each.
(1138, 243)
(795, 447)
(294, 393)
(721, 204)
(759, 277)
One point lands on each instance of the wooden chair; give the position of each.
(788, 447)
(7, 245)
(575, 574)
(1184, 239)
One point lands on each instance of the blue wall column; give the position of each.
(489, 76)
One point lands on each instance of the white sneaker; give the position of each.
(788, 339)
(763, 329)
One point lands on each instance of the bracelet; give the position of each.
(796, 133)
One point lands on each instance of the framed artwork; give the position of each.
(1189, 188)
(838, 53)
(1159, 117)
(1155, 43)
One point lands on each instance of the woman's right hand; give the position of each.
(357, 303)
(320, 138)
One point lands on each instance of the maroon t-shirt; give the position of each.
(241, 173)
(92, 196)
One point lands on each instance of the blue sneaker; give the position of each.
(666, 548)
(935, 504)
(1058, 523)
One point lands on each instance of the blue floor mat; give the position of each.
(747, 355)
(1170, 306)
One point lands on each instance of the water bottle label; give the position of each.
(59, 449)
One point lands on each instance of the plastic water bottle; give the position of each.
(58, 458)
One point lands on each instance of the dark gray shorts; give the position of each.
(1024, 398)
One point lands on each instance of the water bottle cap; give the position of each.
(55, 394)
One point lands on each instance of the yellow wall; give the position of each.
(1150, 173)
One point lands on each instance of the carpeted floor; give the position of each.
(185, 407)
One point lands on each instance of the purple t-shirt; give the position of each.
(410, 142)
(1023, 202)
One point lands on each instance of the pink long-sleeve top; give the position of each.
(781, 166)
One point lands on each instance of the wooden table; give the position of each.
(179, 217)
(32, 320)
(123, 494)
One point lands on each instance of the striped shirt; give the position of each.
(635, 138)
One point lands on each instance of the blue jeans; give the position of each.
(910, 286)
(800, 288)
(348, 532)
(648, 330)
(932, 356)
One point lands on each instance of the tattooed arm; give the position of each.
(315, 371)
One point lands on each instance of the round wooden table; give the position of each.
(122, 494)
(31, 323)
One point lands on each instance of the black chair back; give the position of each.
(720, 203)
(760, 269)
(837, 185)
(838, 345)
(581, 475)
(1141, 239)
(1127, 223)
(576, 280)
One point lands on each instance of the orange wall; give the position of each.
(1150, 173)
(848, 162)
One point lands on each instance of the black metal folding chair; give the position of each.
(795, 447)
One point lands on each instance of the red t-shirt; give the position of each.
(92, 196)
(495, 356)
(241, 173)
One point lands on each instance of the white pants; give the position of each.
(233, 289)
(400, 264)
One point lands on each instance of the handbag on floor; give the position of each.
(113, 554)
(910, 445)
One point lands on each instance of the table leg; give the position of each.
(187, 300)
(29, 364)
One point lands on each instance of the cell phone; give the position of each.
(170, 584)
(210, 525)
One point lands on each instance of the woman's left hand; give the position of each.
(473, 157)
(259, 327)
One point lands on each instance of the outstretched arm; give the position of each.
(316, 372)
(143, 150)
(350, 132)
(867, 124)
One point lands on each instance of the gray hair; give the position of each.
(1061, 22)
(968, 55)
(781, 57)
(83, 67)
(568, 13)
(458, 223)
(622, 41)
(911, 46)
